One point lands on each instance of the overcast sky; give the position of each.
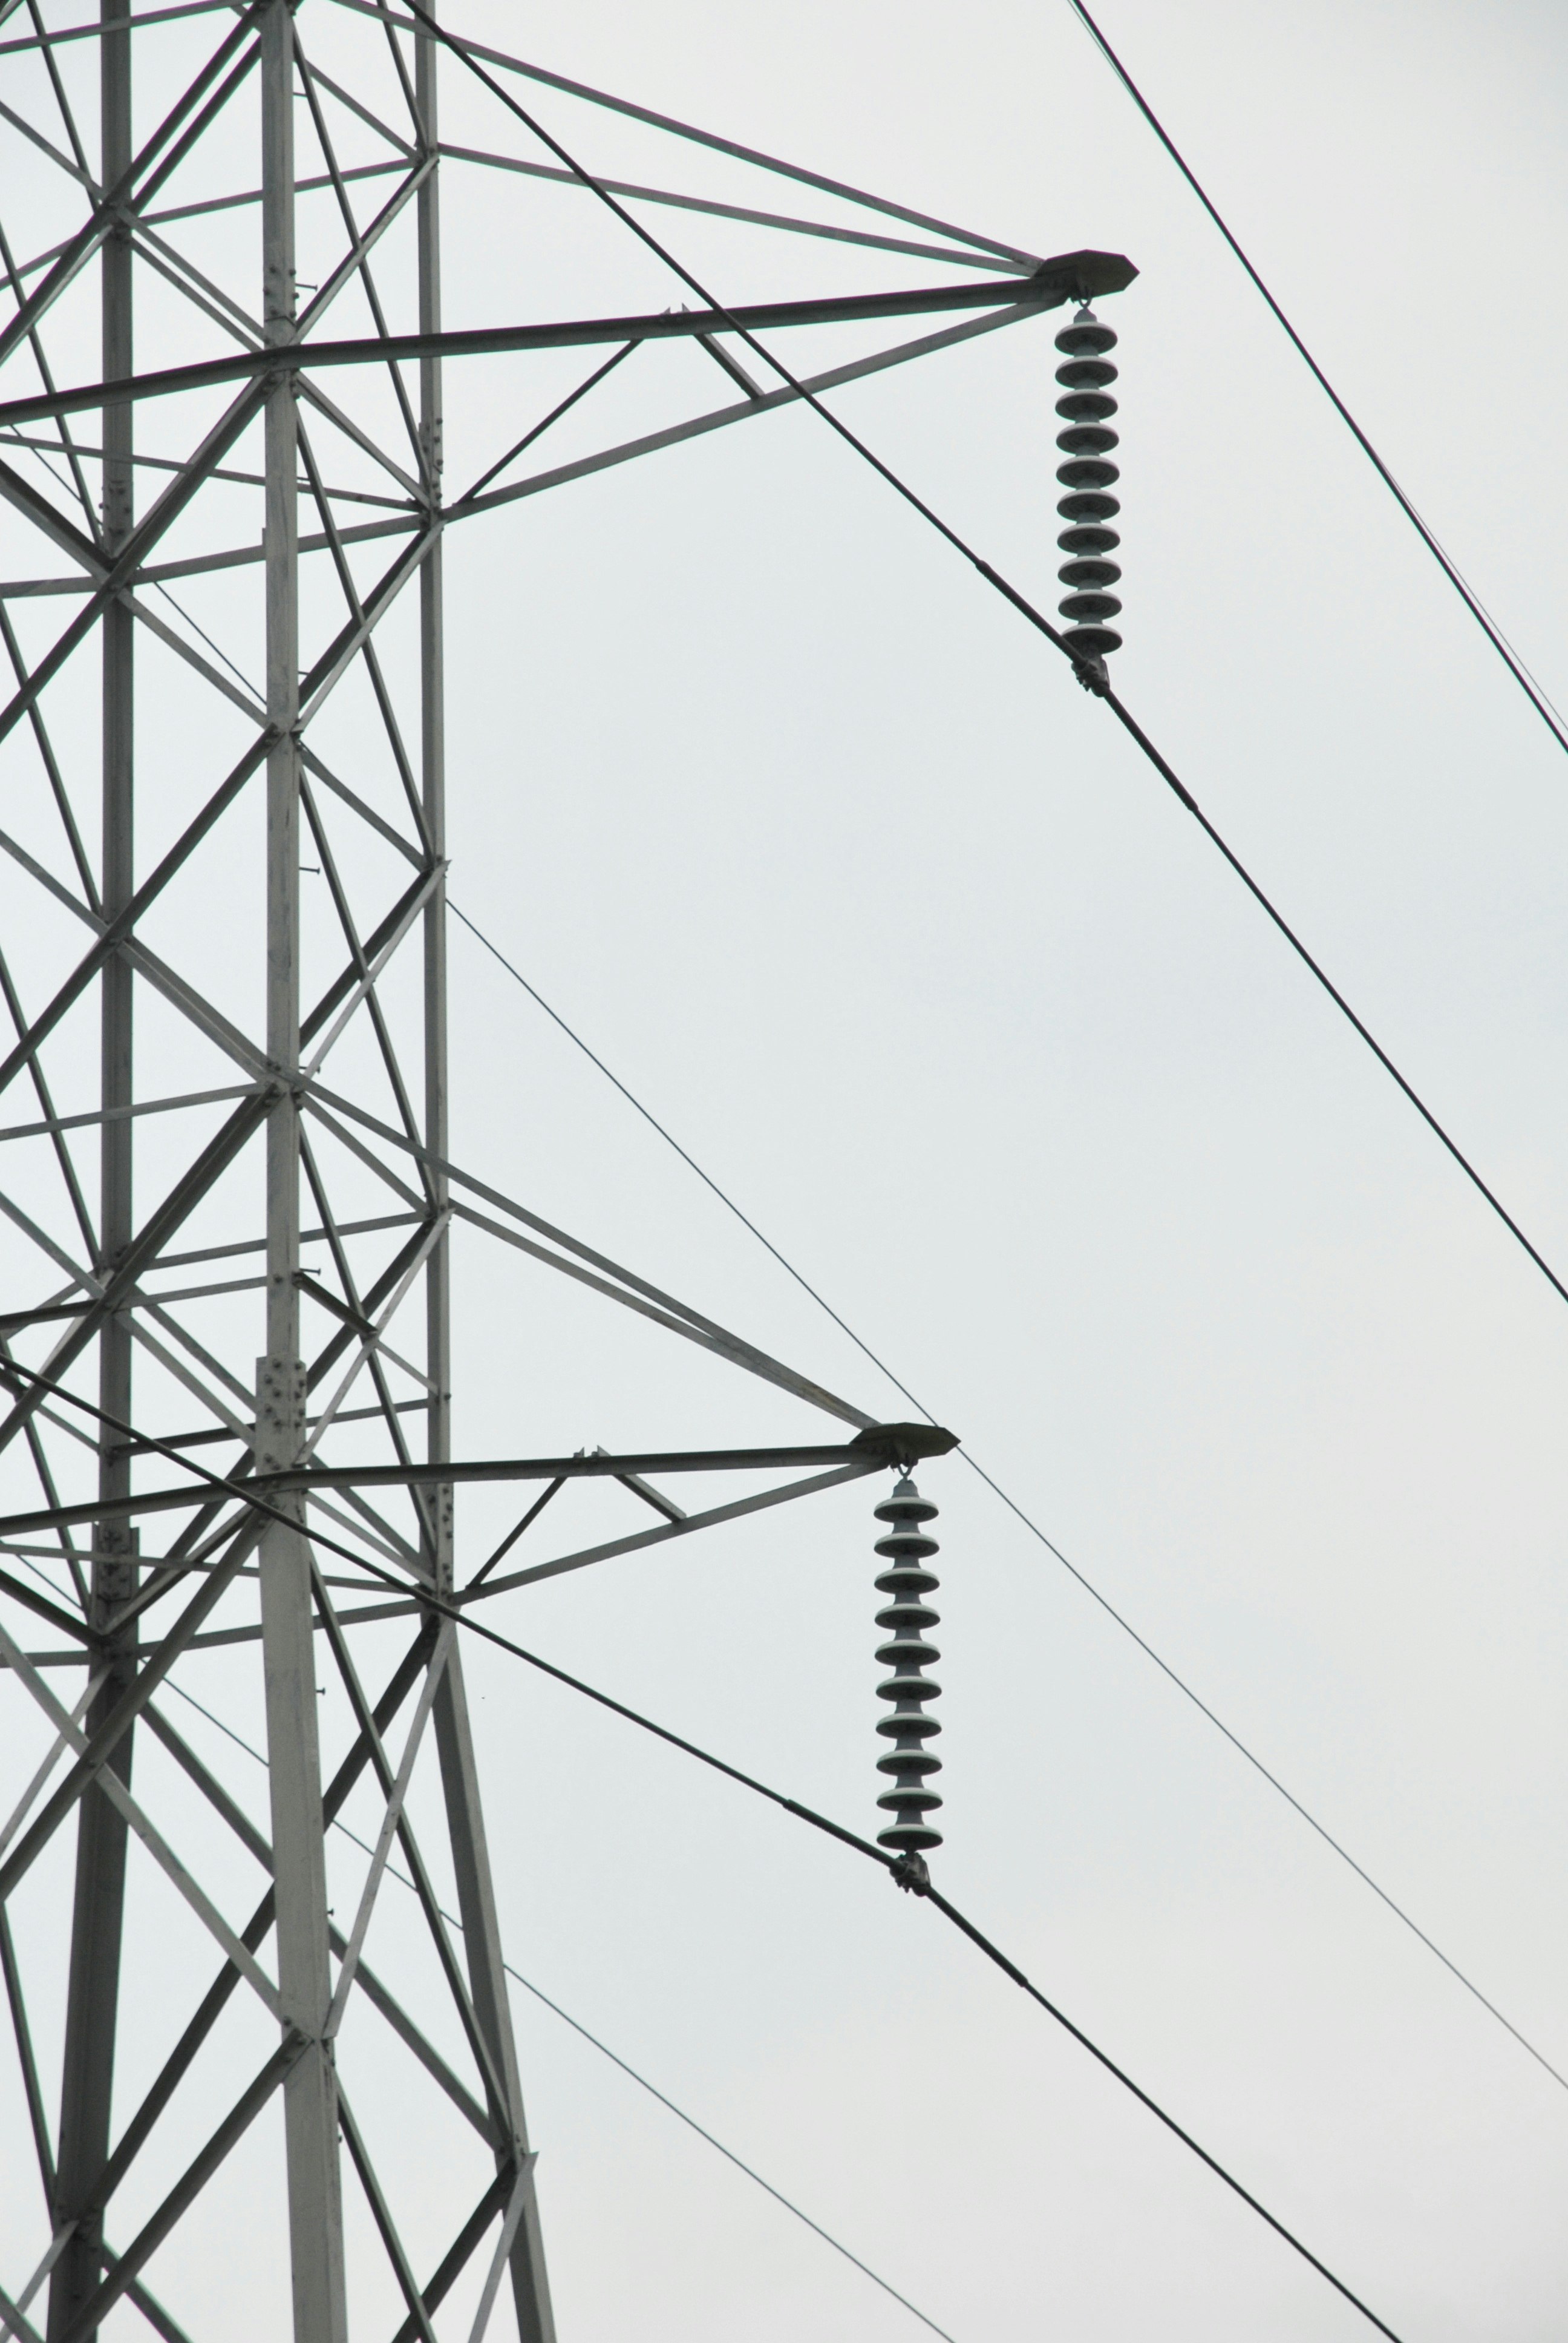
(829, 856)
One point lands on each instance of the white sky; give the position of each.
(832, 861)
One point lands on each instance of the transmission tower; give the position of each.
(227, 1176)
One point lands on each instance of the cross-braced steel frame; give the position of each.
(226, 1173)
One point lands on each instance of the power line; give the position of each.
(1550, 716)
(613, 2056)
(908, 1871)
(1032, 1526)
(1091, 673)
(1092, 676)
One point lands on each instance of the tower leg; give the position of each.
(460, 1775)
(288, 1658)
(97, 1920)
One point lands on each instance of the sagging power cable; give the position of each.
(614, 2057)
(1091, 671)
(1087, 1584)
(908, 1871)
(1549, 714)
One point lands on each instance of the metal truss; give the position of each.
(225, 1172)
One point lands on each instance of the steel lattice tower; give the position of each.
(227, 1180)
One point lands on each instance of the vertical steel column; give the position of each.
(310, 2092)
(460, 1771)
(98, 1915)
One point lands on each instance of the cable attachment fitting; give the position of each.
(909, 1873)
(1086, 472)
(907, 1547)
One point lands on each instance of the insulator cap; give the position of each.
(905, 1505)
(904, 1653)
(909, 1726)
(1087, 439)
(1089, 504)
(906, 1581)
(1095, 642)
(1085, 374)
(1090, 537)
(1086, 472)
(1086, 406)
(1092, 572)
(916, 1762)
(906, 1545)
(1083, 336)
(1090, 606)
(918, 1616)
(908, 1837)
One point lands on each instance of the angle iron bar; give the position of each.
(117, 1113)
(136, 1815)
(351, 596)
(122, 570)
(366, 239)
(358, 262)
(64, 1160)
(16, 2322)
(317, 685)
(312, 393)
(35, 506)
(460, 2253)
(1074, 276)
(615, 1547)
(585, 466)
(380, 2213)
(55, 1751)
(725, 1346)
(181, 2058)
(420, 1210)
(123, 1715)
(143, 462)
(88, 238)
(521, 2184)
(396, 1798)
(562, 407)
(95, 30)
(181, 1200)
(638, 194)
(371, 121)
(194, 131)
(351, 1286)
(365, 984)
(181, 994)
(238, 694)
(313, 766)
(327, 1357)
(341, 985)
(152, 2310)
(674, 435)
(461, 1473)
(171, 264)
(31, 2088)
(428, 1901)
(706, 138)
(186, 2189)
(746, 1353)
(113, 933)
(46, 146)
(369, 1983)
(56, 779)
(371, 1342)
(58, 85)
